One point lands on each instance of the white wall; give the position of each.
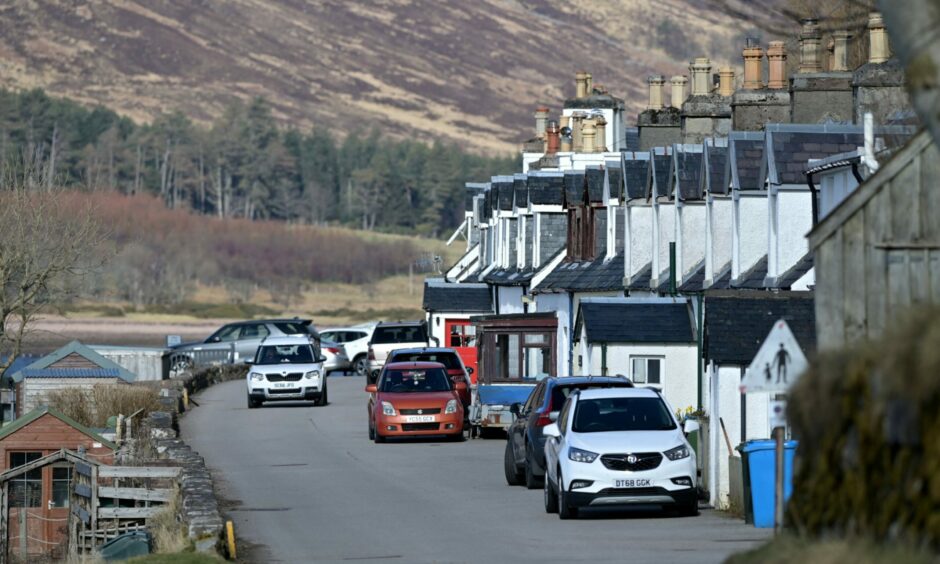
(665, 219)
(718, 233)
(792, 218)
(750, 233)
(690, 239)
(638, 237)
(510, 299)
(557, 303)
(145, 363)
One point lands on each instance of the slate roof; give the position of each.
(614, 179)
(723, 280)
(694, 281)
(594, 101)
(503, 186)
(585, 276)
(636, 175)
(745, 158)
(686, 171)
(509, 277)
(35, 414)
(660, 163)
(631, 139)
(471, 191)
(790, 147)
(462, 297)
(594, 179)
(105, 368)
(636, 320)
(754, 277)
(738, 321)
(641, 280)
(546, 189)
(789, 278)
(520, 190)
(715, 179)
(574, 187)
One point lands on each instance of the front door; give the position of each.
(462, 337)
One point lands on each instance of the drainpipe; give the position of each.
(672, 269)
(570, 334)
(815, 195)
(701, 346)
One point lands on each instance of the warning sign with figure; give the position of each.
(778, 363)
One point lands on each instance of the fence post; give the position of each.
(23, 539)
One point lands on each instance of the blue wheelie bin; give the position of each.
(762, 473)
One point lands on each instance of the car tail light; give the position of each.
(333, 350)
(544, 419)
(371, 354)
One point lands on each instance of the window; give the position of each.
(26, 489)
(462, 336)
(622, 414)
(254, 331)
(225, 334)
(507, 356)
(563, 416)
(61, 478)
(285, 354)
(400, 334)
(289, 328)
(647, 370)
(415, 381)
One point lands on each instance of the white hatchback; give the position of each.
(287, 369)
(618, 447)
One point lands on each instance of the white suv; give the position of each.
(287, 369)
(618, 447)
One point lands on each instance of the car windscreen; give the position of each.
(399, 334)
(292, 328)
(561, 392)
(622, 414)
(284, 354)
(449, 360)
(415, 381)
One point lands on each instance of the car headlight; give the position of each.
(388, 409)
(579, 455)
(256, 377)
(678, 453)
(312, 375)
(451, 407)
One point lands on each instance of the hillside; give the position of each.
(461, 71)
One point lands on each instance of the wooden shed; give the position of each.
(74, 365)
(39, 498)
(878, 252)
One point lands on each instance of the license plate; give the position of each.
(282, 384)
(419, 419)
(631, 483)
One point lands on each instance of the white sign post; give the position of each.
(776, 367)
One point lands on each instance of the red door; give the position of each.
(461, 336)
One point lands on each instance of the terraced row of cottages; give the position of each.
(665, 251)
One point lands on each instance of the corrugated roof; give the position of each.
(106, 368)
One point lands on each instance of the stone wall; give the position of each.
(752, 109)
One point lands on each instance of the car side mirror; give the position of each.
(321, 359)
(215, 339)
(249, 361)
(552, 431)
(553, 416)
(690, 426)
(372, 388)
(515, 409)
(469, 370)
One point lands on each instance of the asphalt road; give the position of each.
(306, 485)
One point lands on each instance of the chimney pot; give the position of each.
(577, 120)
(679, 96)
(810, 39)
(753, 56)
(878, 49)
(588, 132)
(588, 84)
(600, 134)
(726, 81)
(777, 65)
(656, 92)
(840, 51)
(552, 134)
(580, 81)
(541, 120)
(701, 70)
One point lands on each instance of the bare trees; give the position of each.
(45, 246)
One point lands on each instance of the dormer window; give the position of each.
(581, 240)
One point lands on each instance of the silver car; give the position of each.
(336, 358)
(238, 342)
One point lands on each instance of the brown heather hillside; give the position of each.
(464, 70)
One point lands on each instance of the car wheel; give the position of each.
(531, 480)
(360, 365)
(371, 432)
(565, 511)
(551, 498)
(253, 403)
(377, 437)
(323, 399)
(456, 438)
(689, 509)
(513, 476)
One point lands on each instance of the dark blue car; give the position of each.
(524, 461)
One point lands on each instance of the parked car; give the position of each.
(618, 447)
(524, 459)
(286, 369)
(336, 358)
(390, 336)
(244, 338)
(448, 357)
(414, 399)
(355, 341)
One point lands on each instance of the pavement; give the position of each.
(305, 484)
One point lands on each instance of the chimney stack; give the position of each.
(777, 65)
(587, 136)
(753, 56)
(878, 49)
(701, 71)
(810, 39)
(726, 81)
(600, 135)
(580, 81)
(577, 121)
(541, 120)
(552, 139)
(840, 51)
(656, 92)
(679, 96)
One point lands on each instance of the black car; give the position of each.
(524, 461)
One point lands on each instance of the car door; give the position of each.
(249, 340)
(556, 445)
(520, 424)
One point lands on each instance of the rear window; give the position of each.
(622, 414)
(560, 393)
(415, 381)
(292, 328)
(400, 334)
(449, 360)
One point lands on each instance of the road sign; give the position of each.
(778, 414)
(778, 364)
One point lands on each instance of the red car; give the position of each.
(448, 357)
(415, 399)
